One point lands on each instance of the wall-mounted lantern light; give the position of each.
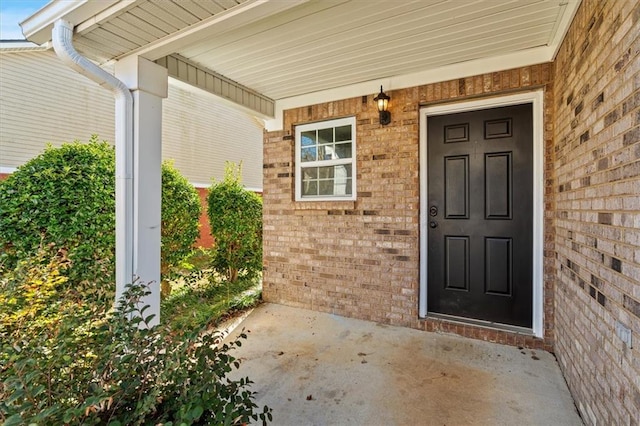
(382, 101)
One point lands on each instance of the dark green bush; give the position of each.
(235, 215)
(181, 211)
(66, 196)
(65, 361)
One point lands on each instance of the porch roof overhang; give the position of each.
(271, 55)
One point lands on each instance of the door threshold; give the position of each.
(481, 323)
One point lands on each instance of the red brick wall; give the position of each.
(597, 209)
(361, 259)
(205, 239)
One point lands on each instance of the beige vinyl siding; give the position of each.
(201, 133)
(43, 101)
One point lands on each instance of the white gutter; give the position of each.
(62, 35)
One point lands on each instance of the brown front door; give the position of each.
(480, 217)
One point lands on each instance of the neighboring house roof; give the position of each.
(19, 46)
(284, 52)
(200, 131)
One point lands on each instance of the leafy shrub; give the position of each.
(235, 215)
(66, 196)
(181, 211)
(64, 361)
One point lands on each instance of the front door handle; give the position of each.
(433, 224)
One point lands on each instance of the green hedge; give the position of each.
(66, 197)
(235, 215)
(181, 211)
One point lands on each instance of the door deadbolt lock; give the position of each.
(433, 211)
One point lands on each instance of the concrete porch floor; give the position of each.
(314, 368)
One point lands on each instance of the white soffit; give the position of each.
(181, 69)
(325, 44)
(300, 52)
(37, 28)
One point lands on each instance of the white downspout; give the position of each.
(62, 36)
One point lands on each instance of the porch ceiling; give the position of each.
(323, 44)
(289, 48)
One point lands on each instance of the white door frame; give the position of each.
(536, 98)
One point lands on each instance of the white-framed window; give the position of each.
(326, 160)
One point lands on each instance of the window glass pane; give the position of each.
(334, 171)
(324, 153)
(325, 172)
(325, 136)
(343, 133)
(334, 180)
(309, 173)
(326, 187)
(343, 150)
(308, 154)
(308, 138)
(310, 188)
(340, 182)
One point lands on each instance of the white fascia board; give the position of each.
(19, 46)
(475, 67)
(37, 27)
(243, 14)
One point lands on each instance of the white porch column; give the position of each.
(148, 84)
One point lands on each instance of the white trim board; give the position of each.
(7, 170)
(201, 185)
(536, 98)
